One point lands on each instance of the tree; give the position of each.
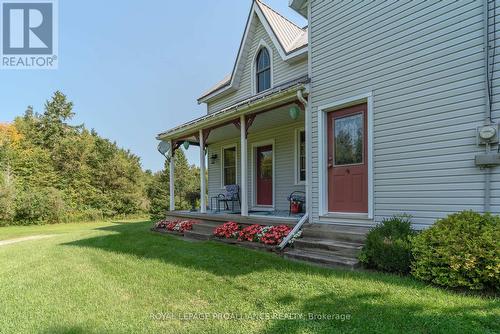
(52, 171)
(187, 179)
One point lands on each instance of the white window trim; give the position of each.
(262, 44)
(298, 182)
(222, 163)
(254, 175)
(323, 147)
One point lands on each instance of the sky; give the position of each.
(135, 68)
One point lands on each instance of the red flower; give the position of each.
(227, 230)
(249, 233)
(275, 235)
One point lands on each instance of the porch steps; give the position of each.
(322, 257)
(201, 231)
(349, 249)
(329, 245)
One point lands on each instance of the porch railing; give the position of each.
(294, 231)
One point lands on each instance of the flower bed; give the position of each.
(267, 235)
(179, 226)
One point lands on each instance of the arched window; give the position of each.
(263, 70)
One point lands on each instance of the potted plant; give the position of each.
(192, 197)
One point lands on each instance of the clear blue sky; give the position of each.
(135, 68)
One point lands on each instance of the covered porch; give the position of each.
(259, 146)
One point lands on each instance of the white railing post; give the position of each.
(172, 177)
(203, 190)
(244, 167)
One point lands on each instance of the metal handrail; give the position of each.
(294, 231)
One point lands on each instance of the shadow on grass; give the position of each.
(369, 312)
(135, 238)
(378, 313)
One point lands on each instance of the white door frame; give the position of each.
(323, 148)
(255, 206)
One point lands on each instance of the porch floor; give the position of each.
(254, 217)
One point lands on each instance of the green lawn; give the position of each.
(122, 278)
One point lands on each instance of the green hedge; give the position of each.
(388, 246)
(461, 250)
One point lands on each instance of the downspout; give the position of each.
(487, 110)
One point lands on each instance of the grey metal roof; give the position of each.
(293, 84)
(290, 36)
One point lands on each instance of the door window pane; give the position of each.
(348, 147)
(266, 164)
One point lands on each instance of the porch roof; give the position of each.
(273, 97)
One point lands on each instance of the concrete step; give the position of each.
(348, 249)
(341, 233)
(197, 235)
(203, 228)
(321, 257)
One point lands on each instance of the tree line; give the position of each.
(52, 171)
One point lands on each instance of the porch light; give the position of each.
(294, 112)
(186, 144)
(213, 158)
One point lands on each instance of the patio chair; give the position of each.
(296, 196)
(231, 195)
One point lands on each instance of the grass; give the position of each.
(122, 278)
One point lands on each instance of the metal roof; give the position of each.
(268, 94)
(290, 36)
(285, 30)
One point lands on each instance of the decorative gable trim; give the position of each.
(233, 83)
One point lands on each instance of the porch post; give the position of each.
(172, 178)
(203, 186)
(243, 159)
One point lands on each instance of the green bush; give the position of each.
(388, 246)
(461, 250)
(40, 206)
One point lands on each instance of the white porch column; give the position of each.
(203, 186)
(244, 172)
(172, 178)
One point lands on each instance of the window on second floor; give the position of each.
(263, 73)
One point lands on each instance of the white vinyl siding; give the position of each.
(423, 62)
(284, 182)
(282, 71)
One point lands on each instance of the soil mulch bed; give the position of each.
(165, 231)
(247, 244)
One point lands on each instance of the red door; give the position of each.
(264, 175)
(347, 160)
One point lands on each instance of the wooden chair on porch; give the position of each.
(231, 195)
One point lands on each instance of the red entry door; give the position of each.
(347, 160)
(264, 175)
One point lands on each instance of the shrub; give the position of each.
(41, 206)
(388, 246)
(460, 250)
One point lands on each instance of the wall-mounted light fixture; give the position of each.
(213, 158)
